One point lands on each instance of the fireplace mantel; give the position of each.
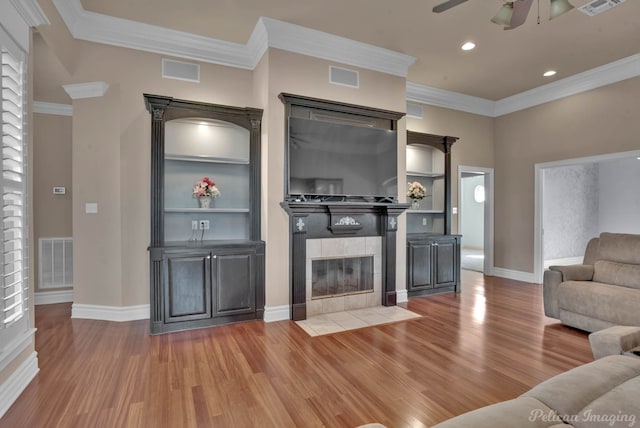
(312, 220)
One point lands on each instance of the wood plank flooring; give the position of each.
(489, 343)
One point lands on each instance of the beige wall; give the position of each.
(51, 167)
(111, 152)
(303, 75)
(111, 259)
(111, 165)
(596, 122)
(475, 144)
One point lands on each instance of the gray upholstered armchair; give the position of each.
(603, 291)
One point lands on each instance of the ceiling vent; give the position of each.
(179, 70)
(598, 6)
(343, 77)
(414, 110)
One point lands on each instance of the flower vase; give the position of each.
(415, 204)
(204, 201)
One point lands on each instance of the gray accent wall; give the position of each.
(570, 209)
(619, 196)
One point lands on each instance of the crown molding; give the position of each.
(607, 74)
(86, 90)
(267, 33)
(449, 99)
(31, 12)
(625, 68)
(52, 108)
(272, 33)
(305, 41)
(95, 27)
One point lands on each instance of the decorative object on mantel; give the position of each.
(204, 190)
(416, 192)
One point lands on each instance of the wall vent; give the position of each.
(55, 260)
(414, 110)
(598, 6)
(179, 70)
(344, 77)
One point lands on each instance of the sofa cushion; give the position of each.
(619, 247)
(617, 273)
(610, 303)
(572, 392)
(523, 412)
(619, 407)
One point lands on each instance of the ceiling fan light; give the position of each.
(503, 17)
(559, 7)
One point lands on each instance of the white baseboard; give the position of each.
(11, 388)
(515, 274)
(402, 296)
(277, 313)
(110, 313)
(563, 262)
(51, 297)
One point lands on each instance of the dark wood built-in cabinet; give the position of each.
(433, 253)
(203, 276)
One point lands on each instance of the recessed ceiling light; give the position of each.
(549, 73)
(468, 46)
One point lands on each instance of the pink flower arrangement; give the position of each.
(205, 187)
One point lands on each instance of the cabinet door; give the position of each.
(445, 262)
(234, 284)
(187, 291)
(419, 265)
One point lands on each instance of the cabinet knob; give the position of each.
(434, 244)
(209, 257)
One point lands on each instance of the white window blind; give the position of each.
(14, 254)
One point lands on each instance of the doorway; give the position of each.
(475, 218)
(576, 199)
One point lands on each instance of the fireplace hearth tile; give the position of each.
(348, 320)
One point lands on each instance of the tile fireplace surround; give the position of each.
(325, 248)
(329, 222)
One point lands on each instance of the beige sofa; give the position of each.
(604, 393)
(603, 291)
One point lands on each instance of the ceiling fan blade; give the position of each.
(520, 11)
(447, 5)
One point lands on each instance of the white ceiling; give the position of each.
(505, 63)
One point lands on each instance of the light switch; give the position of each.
(91, 208)
(454, 210)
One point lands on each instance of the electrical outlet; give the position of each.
(194, 224)
(204, 224)
(424, 221)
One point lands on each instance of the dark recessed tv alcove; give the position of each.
(343, 184)
(337, 151)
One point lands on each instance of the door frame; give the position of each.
(538, 256)
(488, 211)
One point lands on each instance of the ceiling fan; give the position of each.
(513, 13)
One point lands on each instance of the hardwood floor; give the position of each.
(487, 344)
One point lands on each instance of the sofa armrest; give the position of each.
(550, 286)
(553, 277)
(574, 272)
(615, 340)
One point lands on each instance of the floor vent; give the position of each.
(179, 70)
(343, 77)
(55, 263)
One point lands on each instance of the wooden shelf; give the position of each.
(197, 158)
(426, 174)
(410, 211)
(206, 210)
